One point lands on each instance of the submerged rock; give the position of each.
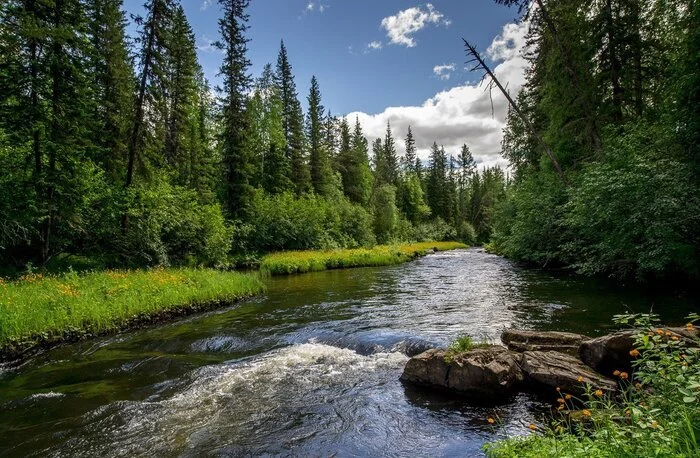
(564, 342)
(488, 371)
(554, 369)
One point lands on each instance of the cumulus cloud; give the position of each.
(206, 4)
(444, 71)
(461, 114)
(401, 26)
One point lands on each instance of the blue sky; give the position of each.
(371, 57)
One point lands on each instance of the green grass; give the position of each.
(37, 308)
(291, 262)
(656, 413)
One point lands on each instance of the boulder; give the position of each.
(564, 342)
(490, 371)
(609, 353)
(553, 369)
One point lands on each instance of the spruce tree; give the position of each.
(353, 158)
(152, 39)
(236, 81)
(320, 168)
(409, 160)
(181, 94)
(113, 83)
(293, 123)
(437, 182)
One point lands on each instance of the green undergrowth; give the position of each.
(291, 262)
(463, 344)
(37, 309)
(656, 413)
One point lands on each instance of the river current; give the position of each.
(311, 368)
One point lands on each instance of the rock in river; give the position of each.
(554, 369)
(488, 371)
(564, 342)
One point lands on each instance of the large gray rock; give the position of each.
(609, 353)
(488, 371)
(554, 369)
(564, 342)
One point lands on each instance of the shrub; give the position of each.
(436, 229)
(287, 222)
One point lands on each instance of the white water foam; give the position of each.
(233, 403)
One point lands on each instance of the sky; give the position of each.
(380, 61)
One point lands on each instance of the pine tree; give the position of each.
(152, 60)
(466, 169)
(386, 161)
(293, 123)
(437, 182)
(113, 85)
(236, 81)
(353, 159)
(321, 173)
(409, 162)
(181, 93)
(264, 139)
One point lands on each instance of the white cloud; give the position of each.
(310, 6)
(206, 4)
(401, 26)
(374, 45)
(461, 114)
(444, 71)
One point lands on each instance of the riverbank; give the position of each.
(293, 262)
(654, 413)
(43, 311)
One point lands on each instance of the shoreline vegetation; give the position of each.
(655, 412)
(40, 311)
(293, 262)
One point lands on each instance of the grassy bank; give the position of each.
(41, 310)
(657, 414)
(291, 262)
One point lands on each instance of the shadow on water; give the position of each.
(310, 369)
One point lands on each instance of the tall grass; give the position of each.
(37, 308)
(291, 262)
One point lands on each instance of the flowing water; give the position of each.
(310, 369)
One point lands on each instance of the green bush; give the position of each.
(287, 222)
(168, 225)
(436, 229)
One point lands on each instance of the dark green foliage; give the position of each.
(386, 215)
(624, 125)
(285, 222)
(236, 82)
(319, 161)
(386, 163)
(293, 124)
(437, 186)
(353, 163)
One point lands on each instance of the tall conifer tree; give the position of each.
(236, 81)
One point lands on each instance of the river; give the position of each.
(309, 369)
